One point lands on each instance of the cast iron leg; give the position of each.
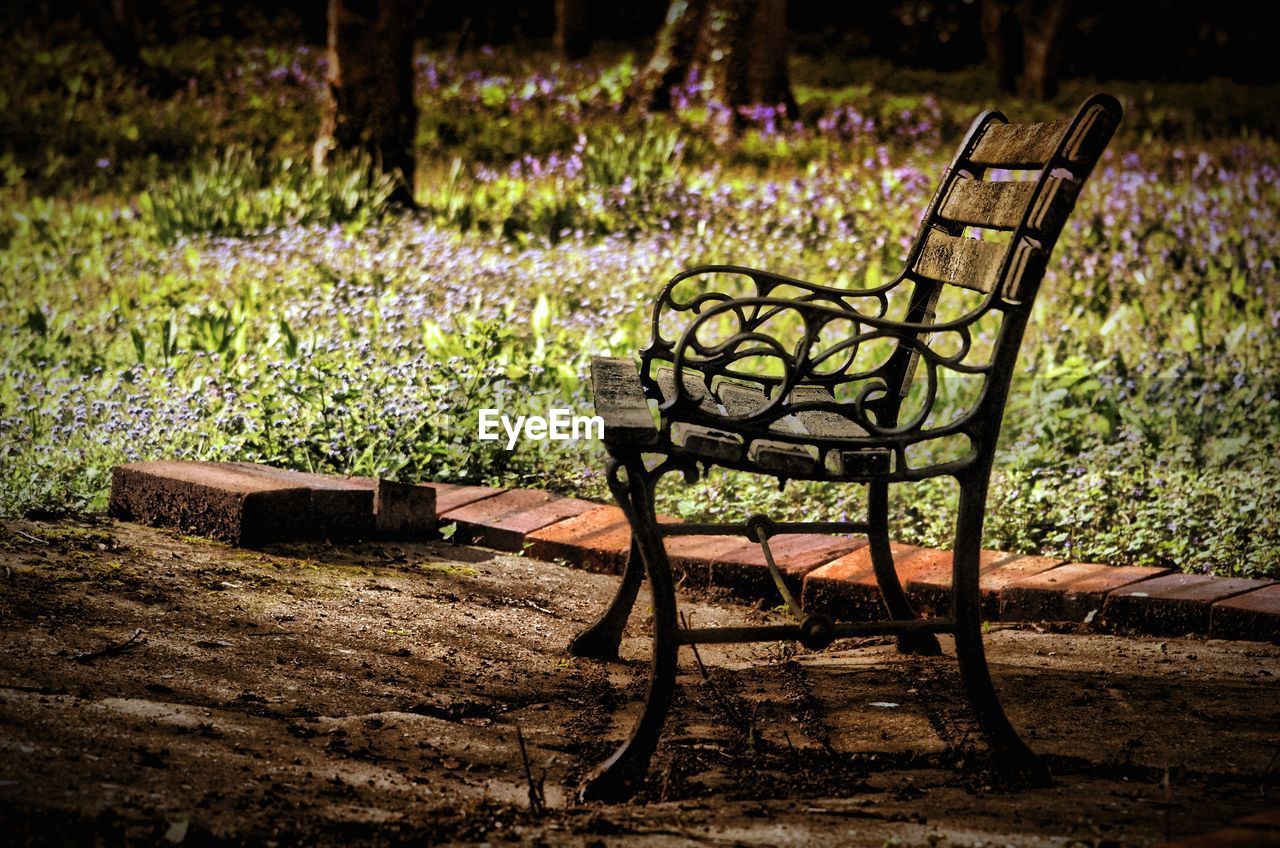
(895, 600)
(618, 777)
(600, 641)
(1009, 754)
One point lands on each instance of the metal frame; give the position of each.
(877, 397)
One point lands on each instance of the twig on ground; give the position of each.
(112, 650)
(31, 538)
(666, 782)
(731, 712)
(684, 622)
(537, 798)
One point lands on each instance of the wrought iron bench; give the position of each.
(762, 373)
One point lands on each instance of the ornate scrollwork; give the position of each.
(812, 341)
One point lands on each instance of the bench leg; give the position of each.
(618, 777)
(600, 641)
(1009, 754)
(895, 600)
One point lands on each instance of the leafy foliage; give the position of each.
(238, 194)
(159, 300)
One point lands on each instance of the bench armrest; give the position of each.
(763, 284)
(810, 360)
(620, 402)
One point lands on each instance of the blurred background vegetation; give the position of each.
(215, 245)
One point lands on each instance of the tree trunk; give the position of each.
(740, 46)
(673, 57)
(1003, 39)
(751, 38)
(370, 106)
(1042, 26)
(1023, 40)
(573, 28)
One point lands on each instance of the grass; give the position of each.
(175, 281)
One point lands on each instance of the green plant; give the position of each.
(238, 193)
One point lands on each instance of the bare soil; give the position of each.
(371, 695)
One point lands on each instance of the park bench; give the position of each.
(762, 373)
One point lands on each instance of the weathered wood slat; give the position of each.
(965, 262)
(1051, 209)
(620, 401)
(1018, 145)
(820, 423)
(783, 458)
(710, 444)
(1001, 205)
(868, 462)
(985, 203)
(693, 388)
(741, 400)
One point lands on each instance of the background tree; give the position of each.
(1024, 43)
(740, 46)
(573, 28)
(369, 104)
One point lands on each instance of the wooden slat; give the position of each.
(819, 422)
(620, 401)
(784, 458)
(1018, 145)
(968, 263)
(709, 443)
(693, 388)
(869, 462)
(1001, 205)
(984, 203)
(740, 399)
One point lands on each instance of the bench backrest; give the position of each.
(1021, 218)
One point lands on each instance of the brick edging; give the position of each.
(1258, 830)
(249, 504)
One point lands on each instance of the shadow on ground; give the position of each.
(371, 695)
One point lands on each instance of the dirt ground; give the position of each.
(370, 695)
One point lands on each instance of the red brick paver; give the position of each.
(846, 588)
(400, 510)
(597, 540)
(1068, 592)
(450, 496)
(1254, 616)
(251, 504)
(927, 577)
(1231, 837)
(1173, 604)
(994, 578)
(504, 520)
(744, 572)
(1265, 820)
(692, 557)
(1260, 830)
(210, 499)
(339, 508)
